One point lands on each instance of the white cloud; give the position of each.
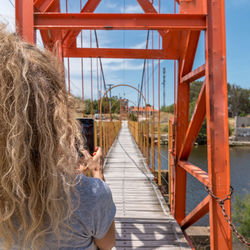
(120, 64)
(103, 36)
(112, 71)
(112, 67)
(132, 9)
(141, 45)
(7, 14)
(111, 5)
(109, 66)
(240, 1)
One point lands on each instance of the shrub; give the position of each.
(241, 215)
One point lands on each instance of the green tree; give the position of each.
(195, 89)
(132, 117)
(238, 100)
(241, 215)
(115, 105)
(168, 109)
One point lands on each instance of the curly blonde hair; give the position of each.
(38, 159)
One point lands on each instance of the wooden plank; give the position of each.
(145, 236)
(140, 220)
(143, 214)
(148, 248)
(144, 226)
(144, 220)
(143, 243)
(143, 230)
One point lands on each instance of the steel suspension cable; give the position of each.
(147, 82)
(83, 109)
(97, 83)
(100, 84)
(101, 70)
(68, 62)
(143, 71)
(100, 60)
(159, 109)
(12, 4)
(153, 124)
(148, 113)
(91, 74)
(68, 76)
(174, 71)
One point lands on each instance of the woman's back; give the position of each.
(38, 159)
(93, 217)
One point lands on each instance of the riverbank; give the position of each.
(240, 176)
(238, 143)
(164, 141)
(239, 173)
(200, 238)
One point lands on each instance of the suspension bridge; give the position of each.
(143, 219)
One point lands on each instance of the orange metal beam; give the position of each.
(91, 5)
(182, 114)
(194, 125)
(171, 40)
(195, 171)
(24, 11)
(148, 7)
(194, 75)
(188, 49)
(217, 124)
(189, 52)
(105, 21)
(47, 5)
(197, 213)
(70, 36)
(119, 53)
(49, 37)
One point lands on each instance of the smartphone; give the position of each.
(87, 126)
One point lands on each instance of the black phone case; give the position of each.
(87, 126)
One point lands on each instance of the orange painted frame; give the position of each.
(212, 101)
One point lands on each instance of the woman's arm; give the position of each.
(94, 164)
(108, 241)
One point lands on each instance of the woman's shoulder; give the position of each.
(92, 188)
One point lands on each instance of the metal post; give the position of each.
(110, 86)
(182, 124)
(217, 123)
(95, 133)
(24, 11)
(164, 86)
(169, 160)
(152, 146)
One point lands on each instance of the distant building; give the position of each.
(142, 110)
(242, 128)
(124, 109)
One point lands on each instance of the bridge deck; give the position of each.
(143, 220)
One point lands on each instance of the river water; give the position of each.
(239, 172)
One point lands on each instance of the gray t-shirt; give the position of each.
(93, 217)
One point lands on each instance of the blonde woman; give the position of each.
(46, 203)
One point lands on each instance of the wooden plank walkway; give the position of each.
(143, 220)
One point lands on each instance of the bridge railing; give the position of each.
(140, 132)
(106, 133)
(144, 135)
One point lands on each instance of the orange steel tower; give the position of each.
(180, 34)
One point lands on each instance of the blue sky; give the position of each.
(119, 71)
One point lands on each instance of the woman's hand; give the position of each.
(94, 164)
